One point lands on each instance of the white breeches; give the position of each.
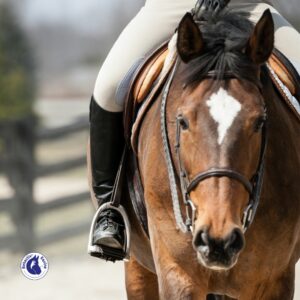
(155, 23)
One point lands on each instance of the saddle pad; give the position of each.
(285, 93)
(282, 73)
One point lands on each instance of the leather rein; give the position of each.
(253, 185)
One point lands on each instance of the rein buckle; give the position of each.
(247, 217)
(190, 208)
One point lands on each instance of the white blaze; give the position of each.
(223, 109)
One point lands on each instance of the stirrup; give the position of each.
(105, 252)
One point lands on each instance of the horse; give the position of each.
(225, 122)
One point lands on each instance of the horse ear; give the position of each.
(189, 41)
(261, 42)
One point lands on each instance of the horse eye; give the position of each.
(184, 123)
(259, 123)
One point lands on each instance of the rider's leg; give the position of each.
(155, 23)
(106, 144)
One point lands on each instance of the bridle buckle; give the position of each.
(247, 216)
(190, 210)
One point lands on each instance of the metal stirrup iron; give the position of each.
(110, 254)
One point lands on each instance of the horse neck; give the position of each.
(151, 158)
(283, 149)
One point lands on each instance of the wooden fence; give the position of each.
(26, 240)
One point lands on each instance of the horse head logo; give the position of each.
(32, 265)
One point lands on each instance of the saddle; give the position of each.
(147, 79)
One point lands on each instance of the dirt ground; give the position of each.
(74, 276)
(70, 277)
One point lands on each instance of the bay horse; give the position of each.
(220, 105)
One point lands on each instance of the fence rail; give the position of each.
(63, 202)
(47, 170)
(61, 132)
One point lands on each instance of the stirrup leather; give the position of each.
(108, 253)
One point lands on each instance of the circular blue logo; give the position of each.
(34, 266)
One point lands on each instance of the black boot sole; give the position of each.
(109, 254)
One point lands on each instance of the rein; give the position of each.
(253, 186)
(186, 225)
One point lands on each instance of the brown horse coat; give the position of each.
(265, 268)
(168, 266)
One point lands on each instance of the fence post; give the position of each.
(19, 167)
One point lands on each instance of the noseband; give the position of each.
(253, 185)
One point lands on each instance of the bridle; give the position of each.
(253, 185)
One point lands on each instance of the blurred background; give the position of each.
(50, 54)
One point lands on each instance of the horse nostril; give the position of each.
(201, 239)
(235, 241)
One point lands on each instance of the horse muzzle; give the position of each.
(218, 253)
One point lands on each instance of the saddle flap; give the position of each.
(149, 75)
(137, 89)
(283, 74)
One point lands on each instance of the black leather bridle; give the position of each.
(253, 185)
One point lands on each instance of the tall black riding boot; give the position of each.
(107, 143)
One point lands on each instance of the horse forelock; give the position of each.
(225, 38)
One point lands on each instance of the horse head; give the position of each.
(220, 113)
(33, 265)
